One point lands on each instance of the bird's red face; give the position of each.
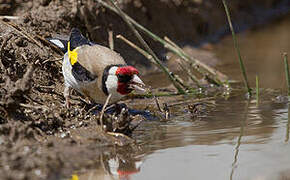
(128, 80)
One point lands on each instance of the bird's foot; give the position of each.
(66, 94)
(67, 103)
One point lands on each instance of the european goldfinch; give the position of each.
(95, 71)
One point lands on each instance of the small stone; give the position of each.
(26, 149)
(37, 172)
(63, 135)
(21, 42)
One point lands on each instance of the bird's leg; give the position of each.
(66, 94)
(103, 110)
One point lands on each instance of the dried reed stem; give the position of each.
(200, 67)
(140, 50)
(257, 90)
(285, 57)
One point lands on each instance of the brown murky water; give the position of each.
(238, 139)
(261, 51)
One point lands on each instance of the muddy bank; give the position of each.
(39, 138)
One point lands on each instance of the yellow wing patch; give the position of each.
(73, 55)
(75, 177)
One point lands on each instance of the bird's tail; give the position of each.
(60, 42)
(75, 39)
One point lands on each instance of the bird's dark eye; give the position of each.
(124, 78)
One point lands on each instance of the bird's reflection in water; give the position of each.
(115, 166)
(122, 167)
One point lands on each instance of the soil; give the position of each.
(39, 137)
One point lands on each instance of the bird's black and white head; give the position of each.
(121, 79)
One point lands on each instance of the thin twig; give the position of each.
(51, 45)
(191, 76)
(103, 110)
(157, 103)
(191, 101)
(93, 108)
(155, 99)
(203, 69)
(243, 69)
(140, 50)
(10, 17)
(180, 81)
(30, 38)
(172, 43)
(149, 95)
(42, 107)
(286, 64)
(22, 32)
(257, 90)
(166, 111)
(139, 122)
(114, 134)
(111, 39)
(52, 60)
(32, 100)
(196, 65)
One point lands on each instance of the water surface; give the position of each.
(238, 140)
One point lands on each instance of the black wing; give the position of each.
(82, 74)
(79, 72)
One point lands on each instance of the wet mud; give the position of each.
(39, 137)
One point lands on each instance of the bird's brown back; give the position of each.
(96, 58)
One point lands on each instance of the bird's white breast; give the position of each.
(69, 79)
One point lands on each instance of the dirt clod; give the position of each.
(39, 137)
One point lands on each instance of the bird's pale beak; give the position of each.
(137, 84)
